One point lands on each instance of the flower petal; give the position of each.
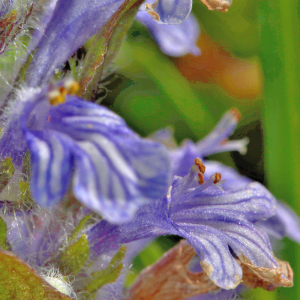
(173, 40)
(115, 170)
(215, 257)
(71, 25)
(150, 221)
(51, 166)
(289, 219)
(233, 180)
(254, 203)
(170, 11)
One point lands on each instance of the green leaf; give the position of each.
(108, 275)
(75, 256)
(18, 281)
(104, 47)
(7, 170)
(280, 47)
(25, 192)
(3, 230)
(79, 227)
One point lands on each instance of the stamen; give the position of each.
(58, 95)
(217, 177)
(201, 168)
(201, 178)
(199, 163)
(72, 87)
(214, 179)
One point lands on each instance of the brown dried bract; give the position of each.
(266, 278)
(149, 10)
(220, 5)
(170, 279)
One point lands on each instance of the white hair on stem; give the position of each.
(58, 281)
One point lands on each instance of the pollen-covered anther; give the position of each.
(217, 177)
(72, 87)
(201, 178)
(201, 168)
(57, 96)
(199, 163)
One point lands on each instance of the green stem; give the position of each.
(280, 48)
(173, 86)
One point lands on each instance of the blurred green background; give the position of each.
(250, 60)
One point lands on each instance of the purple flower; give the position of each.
(173, 40)
(71, 24)
(284, 223)
(215, 222)
(215, 142)
(168, 11)
(114, 170)
(67, 25)
(40, 237)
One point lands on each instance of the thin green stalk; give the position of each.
(280, 48)
(173, 85)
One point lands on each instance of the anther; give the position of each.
(198, 162)
(58, 95)
(201, 178)
(72, 87)
(217, 177)
(236, 114)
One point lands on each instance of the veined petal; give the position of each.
(246, 240)
(287, 222)
(233, 180)
(253, 202)
(169, 11)
(51, 166)
(212, 240)
(115, 171)
(173, 40)
(216, 140)
(71, 25)
(215, 257)
(150, 221)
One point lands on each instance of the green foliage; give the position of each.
(3, 230)
(280, 46)
(9, 168)
(104, 46)
(19, 281)
(75, 256)
(79, 227)
(106, 276)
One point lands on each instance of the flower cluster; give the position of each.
(81, 193)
